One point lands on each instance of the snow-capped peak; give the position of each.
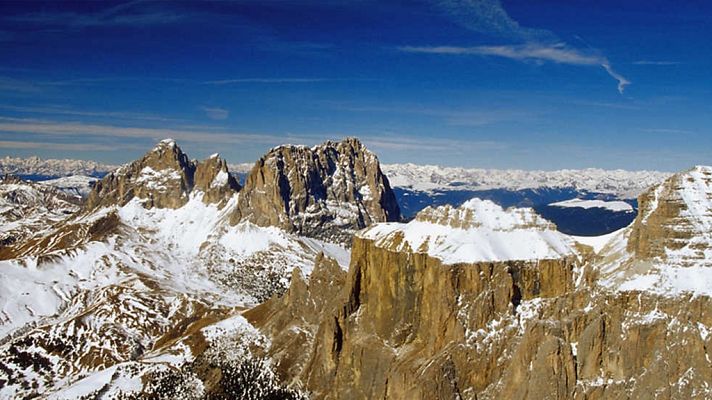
(167, 142)
(477, 231)
(52, 167)
(478, 213)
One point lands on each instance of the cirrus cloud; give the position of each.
(557, 53)
(531, 44)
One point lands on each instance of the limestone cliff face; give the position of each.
(407, 326)
(326, 191)
(293, 318)
(164, 178)
(408, 323)
(213, 178)
(674, 216)
(410, 326)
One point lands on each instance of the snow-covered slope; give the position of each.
(121, 286)
(52, 167)
(162, 266)
(625, 184)
(477, 231)
(608, 205)
(78, 186)
(668, 249)
(27, 209)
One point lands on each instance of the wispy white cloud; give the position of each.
(622, 81)
(668, 131)
(556, 53)
(216, 113)
(26, 145)
(124, 14)
(38, 134)
(62, 110)
(607, 105)
(390, 142)
(8, 84)
(540, 45)
(264, 80)
(78, 129)
(532, 51)
(647, 62)
(489, 17)
(109, 79)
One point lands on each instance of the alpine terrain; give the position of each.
(169, 279)
(152, 271)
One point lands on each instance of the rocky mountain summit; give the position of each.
(164, 177)
(326, 191)
(675, 226)
(478, 230)
(668, 249)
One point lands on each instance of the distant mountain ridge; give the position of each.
(53, 167)
(429, 178)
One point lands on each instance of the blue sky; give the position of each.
(511, 84)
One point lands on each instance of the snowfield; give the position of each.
(618, 206)
(161, 266)
(492, 234)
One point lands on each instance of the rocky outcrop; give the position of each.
(410, 326)
(675, 215)
(293, 319)
(326, 191)
(164, 178)
(406, 324)
(214, 180)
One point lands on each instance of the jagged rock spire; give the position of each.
(325, 191)
(164, 177)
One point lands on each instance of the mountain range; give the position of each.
(418, 186)
(173, 279)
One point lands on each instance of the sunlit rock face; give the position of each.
(668, 248)
(412, 320)
(164, 178)
(446, 306)
(675, 220)
(326, 191)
